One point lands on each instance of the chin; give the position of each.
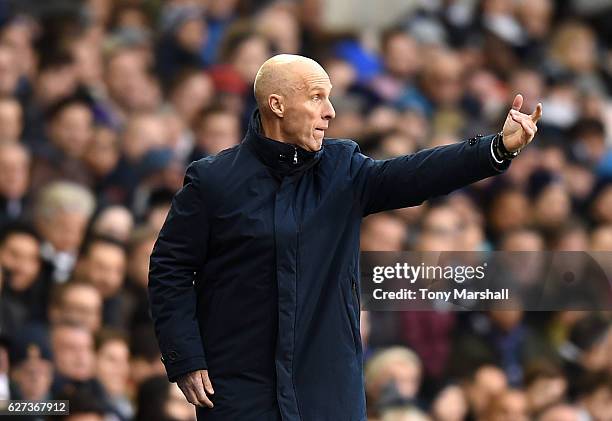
(315, 145)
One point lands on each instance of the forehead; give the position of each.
(21, 239)
(311, 75)
(317, 79)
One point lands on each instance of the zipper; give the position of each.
(295, 158)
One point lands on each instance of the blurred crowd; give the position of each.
(103, 103)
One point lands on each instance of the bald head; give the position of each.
(292, 94)
(283, 74)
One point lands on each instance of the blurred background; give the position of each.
(103, 103)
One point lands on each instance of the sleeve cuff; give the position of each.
(494, 162)
(175, 369)
(498, 161)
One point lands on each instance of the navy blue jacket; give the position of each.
(255, 274)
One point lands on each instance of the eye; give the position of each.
(316, 97)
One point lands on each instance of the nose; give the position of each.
(329, 112)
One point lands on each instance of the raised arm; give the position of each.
(409, 180)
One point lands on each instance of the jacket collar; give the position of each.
(281, 156)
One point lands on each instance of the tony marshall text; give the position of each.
(455, 294)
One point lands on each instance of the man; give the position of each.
(70, 129)
(26, 293)
(78, 303)
(31, 363)
(103, 263)
(253, 280)
(74, 358)
(11, 120)
(62, 211)
(14, 180)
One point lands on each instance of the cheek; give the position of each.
(298, 122)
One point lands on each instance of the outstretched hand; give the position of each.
(519, 129)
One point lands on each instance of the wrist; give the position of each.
(500, 149)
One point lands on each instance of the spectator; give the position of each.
(551, 202)
(69, 127)
(601, 238)
(482, 386)
(125, 77)
(56, 78)
(184, 34)
(595, 395)
(103, 265)
(450, 404)
(216, 129)
(9, 71)
(102, 157)
(279, 23)
(586, 349)
(76, 303)
(14, 181)
(522, 240)
(191, 92)
(88, 64)
(115, 222)
(505, 339)
(32, 364)
(545, 386)
(113, 369)
(143, 133)
(400, 53)
(61, 214)
(11, 120)
(382, 232)
(510, 210)
(21, 262)
(396, 365)
(441, 229)
(241, 54)
(73, 356)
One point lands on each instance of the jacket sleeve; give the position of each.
(411, 179)
(179, 253)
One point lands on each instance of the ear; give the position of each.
(275, 102)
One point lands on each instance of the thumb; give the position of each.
(518, 102)
(207, 383)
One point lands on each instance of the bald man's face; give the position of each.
(307, 110)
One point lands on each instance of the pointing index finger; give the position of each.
(537, 114)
